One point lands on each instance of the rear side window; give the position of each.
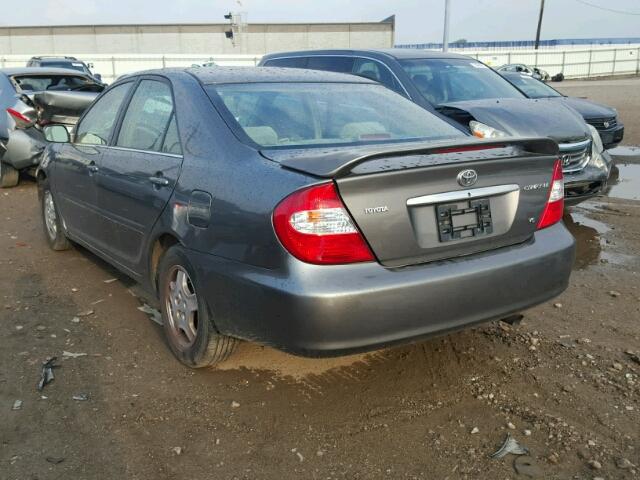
(292, 62)
(377, 71)
(331, 64)
(97, 125)
(148, 115)
(171, 142)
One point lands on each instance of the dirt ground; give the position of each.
(565, 383)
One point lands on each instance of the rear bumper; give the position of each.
(24, 148)
(331, 310)
(586, 183)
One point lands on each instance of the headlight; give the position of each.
(485, 131)
(597, 141)
(596, 148)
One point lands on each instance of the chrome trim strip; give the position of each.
(574, 146)
(125, 149)
(460, 195)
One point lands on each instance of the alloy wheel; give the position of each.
(50, 217)
(182, 307)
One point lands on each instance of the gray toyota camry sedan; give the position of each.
(315, 212)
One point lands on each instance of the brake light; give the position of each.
(554, 208)
(315, 227)
(19, 118)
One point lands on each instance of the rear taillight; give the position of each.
(21, 120)
(315, 227)
(554, 208)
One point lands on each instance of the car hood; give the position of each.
(584, 107)
(524, 117)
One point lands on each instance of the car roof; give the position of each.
(56, 59)
(219, 75)
(397, 53)
(41, 71)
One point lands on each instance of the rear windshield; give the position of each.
(39, 83)
(532, 87)
(62, 64)
(307, 114)
(444, 80)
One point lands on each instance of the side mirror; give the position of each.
(97, 76)
(56, 134)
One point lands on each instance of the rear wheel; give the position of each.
(8, 175)
(53, 230)
(187, 322)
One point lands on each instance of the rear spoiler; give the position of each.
(338, 162)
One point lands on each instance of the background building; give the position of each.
(193, 39)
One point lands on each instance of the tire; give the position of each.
(9, 176)
(51, 223)
(187, 322)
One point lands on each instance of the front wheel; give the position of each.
(9, 176)
(187, 323)
(53, 230)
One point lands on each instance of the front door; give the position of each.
(77, 165)
(138, 172)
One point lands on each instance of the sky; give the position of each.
(417, 21)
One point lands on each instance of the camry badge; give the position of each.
(466, 178)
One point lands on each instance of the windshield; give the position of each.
(306, 114)
(81, 67)
(444, 80)
(39, 83)
(531, 87)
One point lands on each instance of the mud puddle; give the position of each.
(592, 246)
(627, 183)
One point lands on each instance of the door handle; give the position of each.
(159, 181)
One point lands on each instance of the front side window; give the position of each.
(308, 114)
(147, 118)
(445, 80)
(97, 125)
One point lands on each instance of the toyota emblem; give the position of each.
(466, 178)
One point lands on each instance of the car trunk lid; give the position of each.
(422, 203)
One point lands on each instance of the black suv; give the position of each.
(71, 63)
(476, 98)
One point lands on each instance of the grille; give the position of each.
(575, 156)
(599, 123)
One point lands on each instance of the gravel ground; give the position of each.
(565, 382)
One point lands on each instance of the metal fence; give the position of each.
(573, 63)
(529, 44)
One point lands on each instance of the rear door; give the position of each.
(139, 170)
(77, 164)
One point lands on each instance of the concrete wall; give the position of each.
(200, 39)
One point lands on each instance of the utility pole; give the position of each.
(445, 34)
(539, 25)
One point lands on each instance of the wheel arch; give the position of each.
(163, 242)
